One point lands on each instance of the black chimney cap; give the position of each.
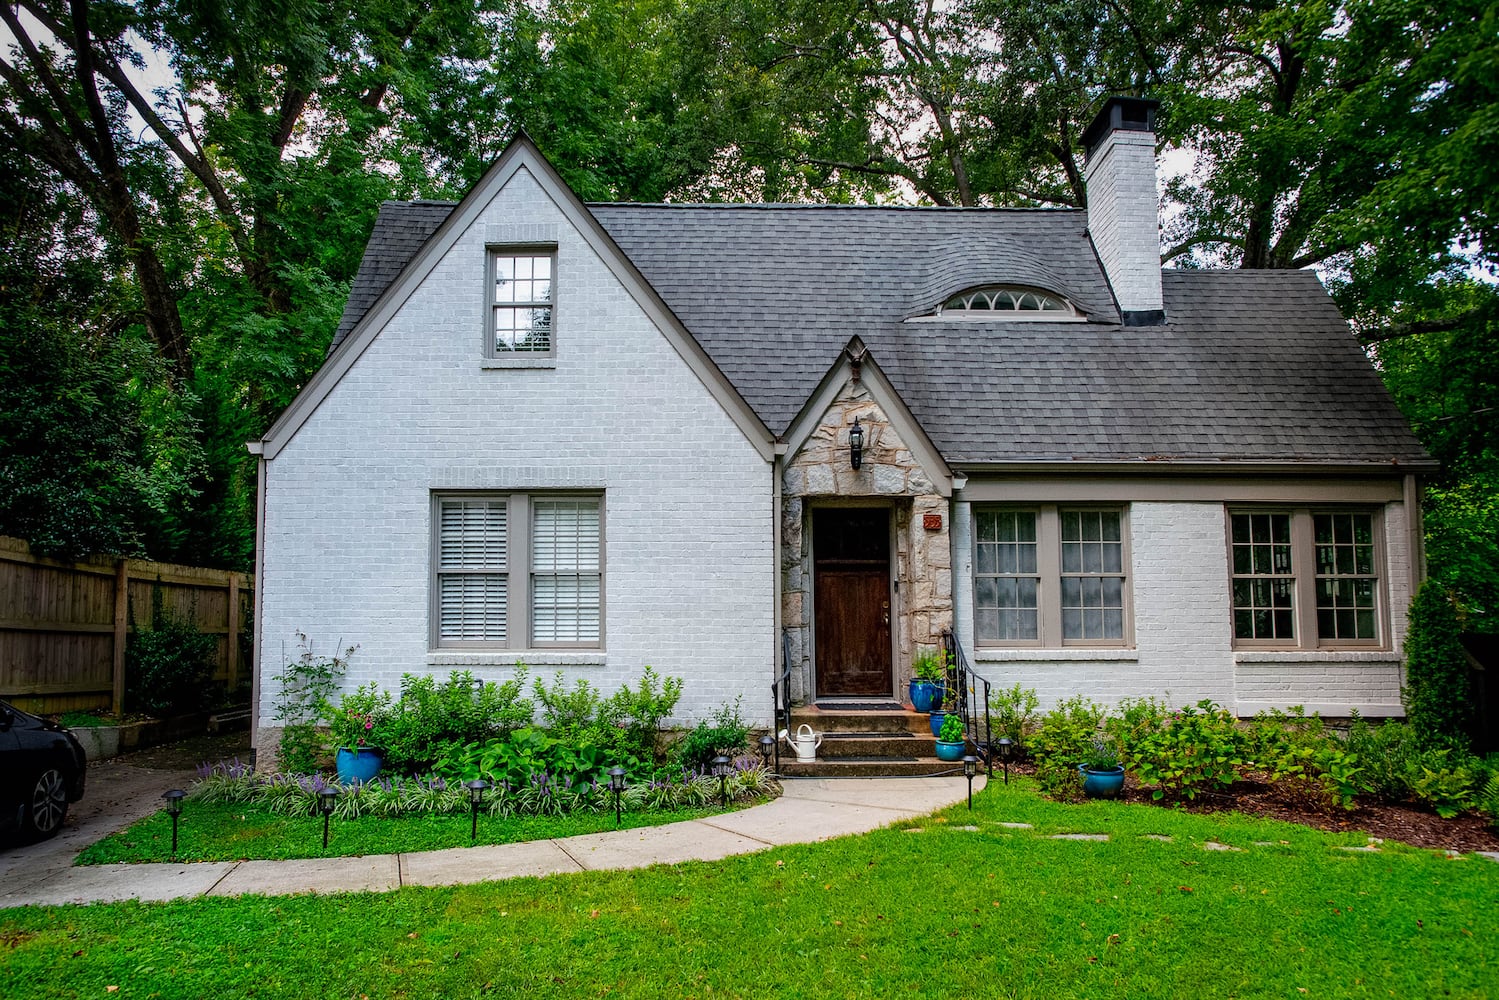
(1127, 114)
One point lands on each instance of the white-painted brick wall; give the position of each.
(688, 506)
(1183, 644)
(1123, 217)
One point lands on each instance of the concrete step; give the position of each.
(894, 745)
(834, 720)
(869, 767)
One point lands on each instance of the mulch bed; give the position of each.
(1407, 824)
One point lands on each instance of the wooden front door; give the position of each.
(851, 591)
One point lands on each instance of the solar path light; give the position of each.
(326, 798)
(1006, 747)
(721, 772)
(617, 786)
(475, 799)
(174, 809)
(970, 768)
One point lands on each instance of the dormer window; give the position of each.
(991, 299)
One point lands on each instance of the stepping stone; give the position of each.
(1016, 826)
(913, 829)
(1079, 836)
(1367, 849)
(1454, 855)
(1264, 843)
(1157, 836)
(968, 828)
(1213, 845)
(1491, 855)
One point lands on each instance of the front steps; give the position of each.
(866, 743)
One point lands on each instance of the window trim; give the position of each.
(518, 571)
(1304, 578)
(1049, 577)
(518, 359)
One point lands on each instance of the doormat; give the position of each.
(860, 706)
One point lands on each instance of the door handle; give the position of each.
(885, 614)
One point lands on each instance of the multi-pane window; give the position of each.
(1092, 575)
(1005, 575)
(517, 570)
(1262, 581)
(1304, 578)
(1345, 576)
(521, 302)
(1050, 576)
(1000, 298)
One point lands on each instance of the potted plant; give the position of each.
(950, 743)
(355, 725)
(929, 680)
(1103, 774)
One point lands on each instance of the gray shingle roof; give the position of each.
(1251, 365)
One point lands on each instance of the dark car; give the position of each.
(42, 769)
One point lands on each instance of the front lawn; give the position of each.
(948, 912)
(228, 831)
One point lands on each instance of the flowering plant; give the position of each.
(358, 720)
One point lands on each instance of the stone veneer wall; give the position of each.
(820, 472)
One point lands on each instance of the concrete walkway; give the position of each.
(811, 809)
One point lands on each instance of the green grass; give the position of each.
(943, 913)
(228, 832)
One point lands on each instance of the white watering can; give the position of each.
(805, 743)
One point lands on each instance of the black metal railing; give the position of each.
(973, 700)
(780, 696)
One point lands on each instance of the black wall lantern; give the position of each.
(855, 445)
(475, 799)
(617, 786)
(174, 809)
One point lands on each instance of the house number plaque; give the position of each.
(931, 522)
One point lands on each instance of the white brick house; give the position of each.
(597, 437)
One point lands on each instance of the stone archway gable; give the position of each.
(855, 368)
(817, 471)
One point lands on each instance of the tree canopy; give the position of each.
(197, 180)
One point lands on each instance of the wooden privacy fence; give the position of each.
(63, 625)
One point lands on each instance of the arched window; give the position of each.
(1006, 299)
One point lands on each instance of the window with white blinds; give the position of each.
(517, 570)
(472, 582)
(565, 577)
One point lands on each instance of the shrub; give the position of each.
(431, 717)
(1437, 697)
(1064, 741)
(724, 734)
(169, 667)
(1014, 712)
(306, 683)
(629, 722)
(930, 664)
(1390, 752)
(1195, 748)
(567, 713)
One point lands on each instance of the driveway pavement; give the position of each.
(119, 791)
(811, 809)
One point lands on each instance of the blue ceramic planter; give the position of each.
(936, 720)
(1102, 784)
(359, 764)
(926, 695)
(950, 751)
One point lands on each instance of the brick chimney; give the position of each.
(1122, 214)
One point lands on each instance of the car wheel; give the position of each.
(48, 805)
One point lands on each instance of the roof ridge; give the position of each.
(801, 205)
